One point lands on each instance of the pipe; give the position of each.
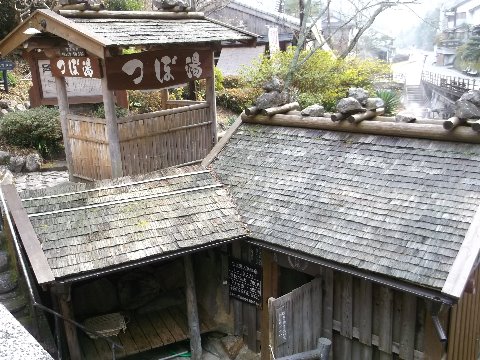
(440, 331)
(29, 284)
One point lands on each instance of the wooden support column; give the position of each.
(210, 97)
(269, 290)
(237, 304)
(64, 109)
(66, 309)
(164, 98)
(112, 128)
(192, 311)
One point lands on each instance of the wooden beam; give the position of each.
(279, 109)
(192, 310)
(63, 106)
(453, 122)
(464, 262)
(221, 144)
(66, 309)
(422, 131)
(210, 97)
(112, 128)
(407, 333)
(31, 244)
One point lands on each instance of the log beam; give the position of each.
(63, 106)
(368, 115)
(66, 309)
(453, 122)
(280, 109)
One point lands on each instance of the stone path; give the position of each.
(38, 180)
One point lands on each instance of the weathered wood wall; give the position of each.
(464, 332)
(148, 142)
(363, 319)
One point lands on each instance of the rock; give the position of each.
(275, 84)
(4, 157)
(472, 96)
(3, 261)
(27, 104)
(374, 103)
(232, 345)
(271, 99)
(3, 112)
(314, 110)
(466, 110)
(15, 304)
(358, 93)
(4, 104)
(405, 116)
(20, 107)
(7, 282)
(16, 163)
(6, 177)
(349, 105)
(33, 162)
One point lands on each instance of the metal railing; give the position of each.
(454, 83)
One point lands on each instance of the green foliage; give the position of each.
(391, 100)
(323, 78)
(99, 111)
(145, 101)
(12, 78)
(7, 17)
(468, 55)
(232, 82)
(238, 99)
(37, 128)
(218, 79)
(124, 5)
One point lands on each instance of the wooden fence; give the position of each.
(464, 333)
(363, 319)
(148, 142)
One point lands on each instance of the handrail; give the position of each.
(31, 292)
(455, 83)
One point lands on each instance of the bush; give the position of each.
(37, 128)
(323, 78)
(124, 5)
(12, 79)
(391, 100)
(238, 99)
(99, 111)
(145, 101)
(232, 82)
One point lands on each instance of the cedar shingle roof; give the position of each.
(393, 206)
(85, 229)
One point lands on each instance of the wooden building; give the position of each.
(169, 49)
(368, 235)
(117, 250)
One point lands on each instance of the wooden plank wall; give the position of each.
(149, 142)
(365, 320)
(464, 332)
(89, 146)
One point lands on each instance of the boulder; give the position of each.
(374, 103)
(349, 105)
(271, 99)
(314, 110)
(3, 261)
(5, 157)
(20, 107)
(275, 84)
(3, 112)
(27, 104)
(232, 345)
(358, 93)
(466, 110)
(16, 163)
(33, 162)
(6, 177)
(405, 116)
(472, 96)
(4, 104)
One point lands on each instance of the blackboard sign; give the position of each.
(245, 281)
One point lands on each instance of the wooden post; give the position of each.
(268, 279)
(112, 128)
(164, 98)
(192, 311)
(66, 309)
(210, 97)
(64, 109)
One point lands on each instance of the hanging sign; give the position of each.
(84, 67)
(6, 65)
(73, 52)
(245, 281)
(157, 69)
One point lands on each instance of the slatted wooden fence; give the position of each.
(364, 320)
(148, 142)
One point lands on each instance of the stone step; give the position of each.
(8, 282)
(15, 304)
(3, 261)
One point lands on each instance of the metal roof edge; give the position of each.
(427, 293)
(465, 261)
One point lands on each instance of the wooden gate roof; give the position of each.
(89, 229)
(400, 207)
(96, 31)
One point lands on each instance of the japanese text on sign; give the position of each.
(157, 69)
(76, 67)
(245, 281)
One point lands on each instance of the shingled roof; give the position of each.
(90, 228)
(398, 207)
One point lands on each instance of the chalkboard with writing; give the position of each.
(245, 281)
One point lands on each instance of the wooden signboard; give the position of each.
(158, 69)
(73, 52)
(84, 67)
(245, 281)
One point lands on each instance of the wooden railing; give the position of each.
(148, 142)
(456, 84)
